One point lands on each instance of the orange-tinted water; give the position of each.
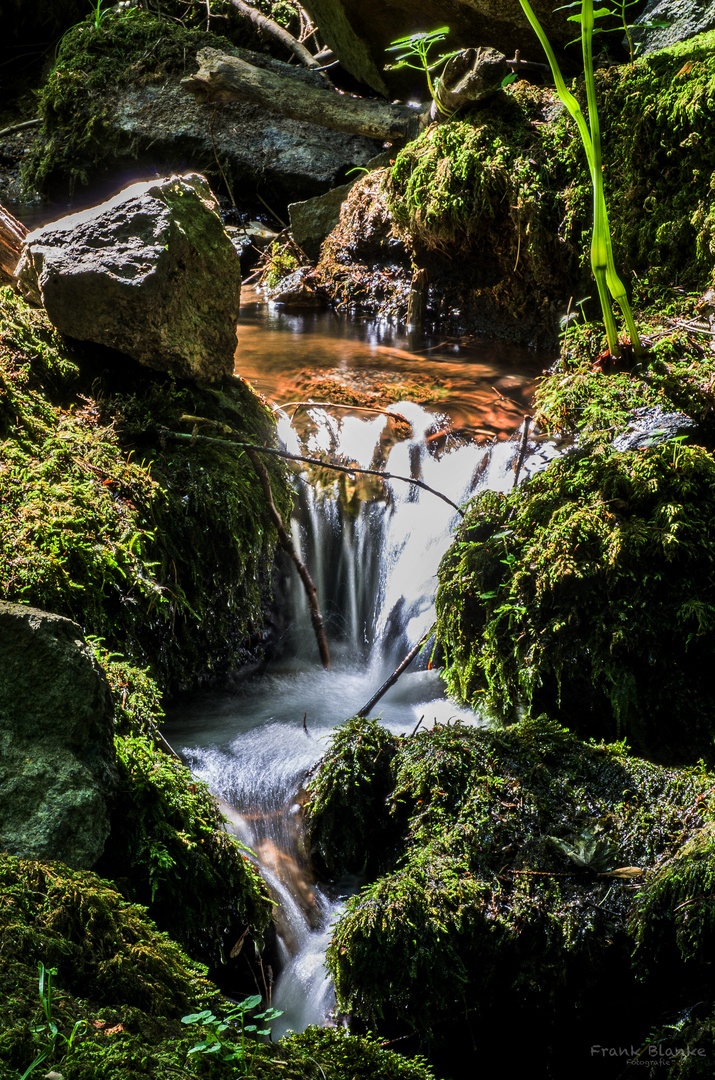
(473, 383)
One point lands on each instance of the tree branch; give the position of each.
(350, 469)
(278, 33)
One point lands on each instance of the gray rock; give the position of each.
(313, 219)
(685, 19)
(151, 272)
(282, 158)
(57, 761)
(295, 290)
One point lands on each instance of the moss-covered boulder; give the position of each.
(497, 203)
(163, 548)
(582, 594)
(57, 761)
(507, 887)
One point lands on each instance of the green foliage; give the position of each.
(47, 1032)
(217, 1043)
(347, 821)
(582, 593)
(478, 909)
(164, 551)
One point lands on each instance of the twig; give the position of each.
(268, 26)
(340, 405)
(268, 208)
(20, 127)
(287, 544)
(305, 726)
(396, 674)
(218, 162)
(522, 451)
(350, 469)
(414, 729)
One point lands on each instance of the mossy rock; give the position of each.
(163, 549)
(581, 594)
(507, 886)
(508, 186)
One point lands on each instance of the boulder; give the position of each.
(151, 272)
(57, 762)
(313, 219)
(683, 19)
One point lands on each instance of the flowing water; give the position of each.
(374, 562)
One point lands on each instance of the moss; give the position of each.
(678, 373)
(343, 1056)
(163, 550)
(584, 593)
(480, 910)
(347, 815)
(169, 851)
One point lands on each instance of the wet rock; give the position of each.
(57, 762)
(683, 18)
(313, 219)
(651, 427)
(295, 290)
(151, 273)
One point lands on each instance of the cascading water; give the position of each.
(375, 570)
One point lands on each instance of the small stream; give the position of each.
(374, 562)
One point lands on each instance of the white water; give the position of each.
(376, 579)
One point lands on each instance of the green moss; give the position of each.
(168, 850)
(347, 816)
(583, 593)
(678, 373)
(163, 550)
(344, 1057)
(480, 910)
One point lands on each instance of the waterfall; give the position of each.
(375, 568)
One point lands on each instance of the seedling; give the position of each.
(415, 53)
(217, 1044)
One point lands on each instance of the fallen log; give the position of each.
(222, 78)
(12, 239)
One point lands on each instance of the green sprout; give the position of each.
(602, 263)
(417, 47)
(223, 1048)
(47, 1033)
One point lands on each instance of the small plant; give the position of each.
(415, 53)
(225, 1049)
(602, 263)
(47, 1032)
(98, 12)
(615, 10)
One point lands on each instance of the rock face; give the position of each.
(151, 273)
(57, 764)
(359, 31)
(684, 18)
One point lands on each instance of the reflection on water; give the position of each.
(278, 346)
